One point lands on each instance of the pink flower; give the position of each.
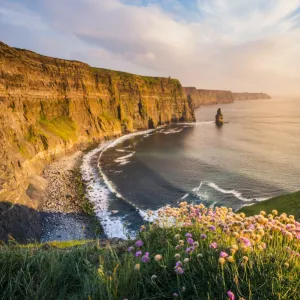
(188, 235)
(212, 228)
(223, 254)
(230, 294)
(145, 258)
(139, 243)
(203, 236)
(138, 253)
(130, 249)
(190, 241)
(246, 241)
(213, 245)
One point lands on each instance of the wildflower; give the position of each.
(196, 244)
(181, 242)
(230, 259)
(190, 241)
(286, 264)
(199, 255)
(263, 213)
(213, 245)
(177, 256)
(158, 257)
(137, 267)
(138, 253)
(246, 242)
(183, 289)
(186, 260)
(230, 294)
(139, 243)
(235, 247)
(188, 235)
(212, 228)
(178, 247)
(178, 264)
(179, 271)
(175, 295)
(143, 228)
(223, 254)
(153, 277)
(222, 260)
(145, 258)
(245, 258)
(130, 249)
(177, 236)
(203, 236)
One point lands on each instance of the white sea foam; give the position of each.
(123, 160)
(172, 131)
(99, 188)
(235, 193)
(185, 196)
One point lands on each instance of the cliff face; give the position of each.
(200, 97)
(250, 96)
(50, 105)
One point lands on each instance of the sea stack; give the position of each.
(219, 118)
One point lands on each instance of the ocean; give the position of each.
(255, 155)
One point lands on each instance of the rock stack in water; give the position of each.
(219, 118)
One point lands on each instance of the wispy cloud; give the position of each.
(227, 44)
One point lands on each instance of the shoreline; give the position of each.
(66, 214)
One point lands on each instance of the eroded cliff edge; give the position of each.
(200, 97)
(250, 96)
(50, 105)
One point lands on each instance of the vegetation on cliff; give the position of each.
(289, 204)
(205, 254)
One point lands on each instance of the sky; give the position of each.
(238, 45)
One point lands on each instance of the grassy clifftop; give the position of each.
(289, 204)
(206, 254)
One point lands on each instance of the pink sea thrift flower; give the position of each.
(139, 243)
(213, 245)
(188, 235)
(130, 249)
(190, 241)
(138, 253)
(223, 254)
(230, 294)
(203, 236)
(246, 242)
(145, 258)
(212, 228)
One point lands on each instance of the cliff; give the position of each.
(50, 105)
(250, 96)
(200, 97)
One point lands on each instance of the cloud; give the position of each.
(223, 44)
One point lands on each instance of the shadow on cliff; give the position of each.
(24, 225)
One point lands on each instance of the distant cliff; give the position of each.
(50, 105)
(200, 97)
(250, 96)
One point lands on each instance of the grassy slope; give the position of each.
(290, 204)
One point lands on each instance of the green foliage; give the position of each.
(85, 270)
(289, 204)
(62, 127)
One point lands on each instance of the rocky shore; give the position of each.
(66, 213)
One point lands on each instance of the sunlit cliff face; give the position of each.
(222, 44)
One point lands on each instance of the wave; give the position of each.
(197, 123)
(233, 192)
(123, 160)
(100, 188)
(172, 131)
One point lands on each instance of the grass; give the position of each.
(206, 255)
(289, 204)
(62, 127)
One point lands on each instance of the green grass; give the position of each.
(87, 270)
(62, 127)
(290, 204)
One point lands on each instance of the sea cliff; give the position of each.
(49, 106)
(200, 97)
(250, 96)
